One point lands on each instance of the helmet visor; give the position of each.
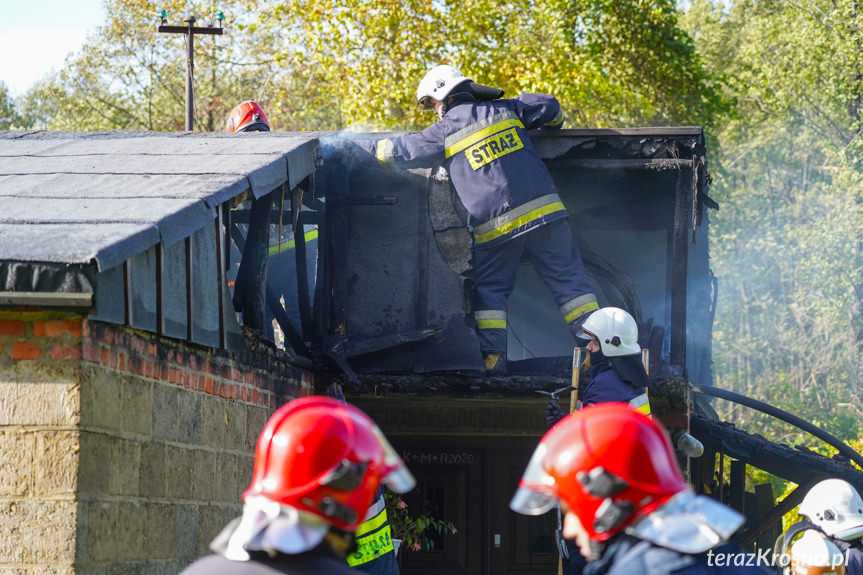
(537, 491)
(425, 103)
(585, 334)
(529, 502)
(398, 478)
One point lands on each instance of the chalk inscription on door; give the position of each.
(438, 458)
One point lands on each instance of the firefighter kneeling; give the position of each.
(614, 475)
(318, 465)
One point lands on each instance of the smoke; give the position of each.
(348, 147)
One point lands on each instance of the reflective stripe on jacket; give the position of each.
(641, 403)
(373, 536)
(501, 180)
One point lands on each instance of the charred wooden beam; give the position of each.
(221, 242)
(656, 164)
(463, 384)
(354, 347)
(747, 535)
(249, 297)
(679, 268)
(303, 297)
(366, 201)
(797, 465)
(774, 411)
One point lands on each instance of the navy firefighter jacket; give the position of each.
(606, 384)
(501, 180)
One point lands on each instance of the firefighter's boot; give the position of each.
(495, 363)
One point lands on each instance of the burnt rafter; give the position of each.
(270, 298)
(774, 411)
(797, 465)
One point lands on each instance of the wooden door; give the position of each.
(449, 488)
(517, 544)
(470, 481)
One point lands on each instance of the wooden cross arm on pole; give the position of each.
(192, 29)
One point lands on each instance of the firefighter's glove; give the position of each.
(338, 147)
(553, 412)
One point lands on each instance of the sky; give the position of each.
(36, 36)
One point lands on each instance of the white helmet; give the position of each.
(615, 329)
(834, 506)
(815, 554)
(438, 83)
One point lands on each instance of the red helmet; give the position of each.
(609, 463)
(247, 117)
(326, 457)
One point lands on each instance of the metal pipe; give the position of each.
(818, 432)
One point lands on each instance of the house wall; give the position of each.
(122, 451)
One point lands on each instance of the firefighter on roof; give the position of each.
(615, 477)
(513, 206)
(318, 465)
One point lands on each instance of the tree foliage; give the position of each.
(10, 119)
(327, 64)
(787, 241)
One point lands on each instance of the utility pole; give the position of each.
(190, 30)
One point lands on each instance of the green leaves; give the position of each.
(328, 64)
(786, 241)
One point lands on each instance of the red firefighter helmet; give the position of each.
(323, 456)
(247, 116)
(609, 463)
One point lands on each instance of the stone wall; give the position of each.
(120, 451)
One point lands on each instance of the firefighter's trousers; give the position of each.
(555, 257)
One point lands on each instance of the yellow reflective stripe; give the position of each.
(576, 303)
(558, 119)
(475, 137)
(291, 243)
(384, 149)
(580, 311)
(641, 403)
(458, 135)
(517, 222)
(372, 546)
(514, 213)
(372, 524)
(490, 319)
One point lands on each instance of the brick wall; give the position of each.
(121, 451)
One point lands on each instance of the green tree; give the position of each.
(327, 64)
(787, 240)
(10, 119)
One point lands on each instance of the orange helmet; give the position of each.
(247, 117)
(323, 456)
(609, 463)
